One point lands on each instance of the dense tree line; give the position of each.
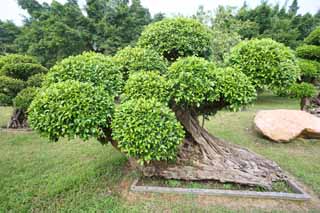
(54, 31)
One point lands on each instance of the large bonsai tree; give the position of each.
(20, 75)
(156, 122)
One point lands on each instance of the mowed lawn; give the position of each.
(73, 176)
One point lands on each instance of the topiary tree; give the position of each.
(309, 63)
(159, 129)
(171, 38)
(17, 72)
(266, 62)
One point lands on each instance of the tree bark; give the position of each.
(205, 157)
(18, 119)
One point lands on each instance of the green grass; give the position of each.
(39, 176)
(5, 113)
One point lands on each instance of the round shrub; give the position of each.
(22, 71)
(178, 37)
(36, 80)
(10, 86)
(71, 108)
(147, 84)
(309, 69)
(302, 90)
(190, 81)
(154, 134)
(314, 37)
(266, 63)
(16, 59)
(235, 87)
(136, 59)
(25, 97)
(89, 67)
(5, 100)
(311, 52)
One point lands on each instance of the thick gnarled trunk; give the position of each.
(205, 157)
(18, 119)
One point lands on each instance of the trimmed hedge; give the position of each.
(302, 90)
(36, 80)
(311, 52)
(313, 38)
(24, 98)
(16, 59)
(10, 86)
(22, 71)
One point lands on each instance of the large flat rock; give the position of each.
(284, 125)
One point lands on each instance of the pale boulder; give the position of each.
(284, 125)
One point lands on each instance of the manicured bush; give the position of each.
(266, 63)
(309, 69)
(311, 52)
(24, 98)
(22, 71)
(5, 100)
(132, 60)
(154, 132)
(16, 59)
(302, 90)
(71, 108)
(147, 84)
(10, 86)
(36, 80)
(313, 38)
(89, 67)
(178, 37)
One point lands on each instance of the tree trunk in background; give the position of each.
(18, 119)
(205, 157)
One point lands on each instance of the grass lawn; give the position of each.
(37, 175)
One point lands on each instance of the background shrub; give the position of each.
(147, 84)
(311, 52)
(36, 80)
(89, 67)
(178, 37)
(136, 59)
(10, 86)
(71, 108)
(24, 98)
(154, 134)
(16, 59)
(266, 63)
(302, 90)
(5, 100)
(22, 71)
(313, 38)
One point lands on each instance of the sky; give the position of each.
(9, 10)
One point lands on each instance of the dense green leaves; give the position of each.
(147, 130)
(89, 67)
(310, 70)
(266, 63)
(10, 86)
(36, 80)
(313, 38)
(179, 37)
(15, 59)
(302, 90)
(147, 84)
(71, 109)
(135, 59)
(311, 52)
(24, 98)
(22, 71)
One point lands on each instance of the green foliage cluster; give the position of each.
(147, 130)
(309, 69)
(313, 38)
(266, 63)
(36, 80)
(71, 108)
(179, 37)
(8, 33)
(22, 70)
(311, 52)
(196, 82)
(302, 90)
(24, 98)
(131, 60)
(9, 88)
(90, 67)
(15, 59)
(5, 100)
(147, 84)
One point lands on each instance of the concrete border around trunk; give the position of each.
(299, 194)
